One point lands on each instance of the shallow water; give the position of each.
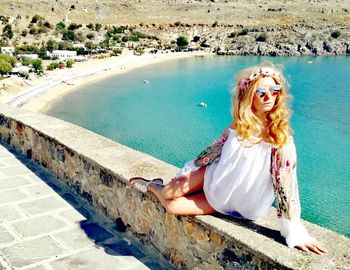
(163, 118)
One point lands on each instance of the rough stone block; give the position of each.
(10, 196)
(5, 236)
(31, 251)
(16, 170)
(43, 205)
(8, 213)
(37, 226)
(97, 259)
(13, 182)
(75, 238)
(38, 190)
(72, 216)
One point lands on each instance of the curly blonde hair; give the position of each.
(246, 123)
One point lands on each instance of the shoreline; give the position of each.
(69, 80)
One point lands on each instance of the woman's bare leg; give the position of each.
(194, 204)
(185, 184)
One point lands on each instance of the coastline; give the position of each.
(89, 72)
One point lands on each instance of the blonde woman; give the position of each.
(251, 164)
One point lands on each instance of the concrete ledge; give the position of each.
(98, 169)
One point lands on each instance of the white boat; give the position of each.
(203, 104)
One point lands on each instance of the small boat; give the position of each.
(309, 62)
(145, 81)
(203, 104)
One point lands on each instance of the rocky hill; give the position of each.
(259, 27)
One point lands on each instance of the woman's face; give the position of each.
(264, 101)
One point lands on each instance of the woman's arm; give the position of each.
(284, 176)
(213, 151)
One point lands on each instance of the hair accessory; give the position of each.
(244, 84)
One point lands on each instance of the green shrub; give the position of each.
(262, 37)
(233, 35)
(244, 32)
(65, 45)
(52, 66)
(24, 33)
(116, 52)
(36, 18)
(90, 36)
(51, 45)
(74, 26)
(69, 35)
(37, 65)
(22, 49)
(60, 26)
(26, 61)
(196, 38)
(336, 34)
(98, 27)
(25, 75)
(47, 24)
(33, 31)
(7, 31)
(90, 45)
(133, 38)
(70, 63)
(182, 41)
(178, 23)
(5, 67)
(90, 26)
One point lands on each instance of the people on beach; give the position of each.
(250, 165)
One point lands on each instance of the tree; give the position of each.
(51, 45)
(7, 31)
(5, 67)
(9, 59)
(70, 63)
(182, 41)
(37, 65)
(90, 45)
(69, 35)
(26, 61)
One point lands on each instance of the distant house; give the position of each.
(8, 50)
(20, 70)
(79, 45)
(62, 55)
(31, 56)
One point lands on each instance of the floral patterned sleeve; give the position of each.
(285, 184)
(213, 151)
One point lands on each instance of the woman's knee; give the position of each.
(174, 188)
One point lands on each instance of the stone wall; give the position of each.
(98, 169)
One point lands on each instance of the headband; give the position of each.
(245, 82)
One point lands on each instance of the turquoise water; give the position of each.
(163, 118)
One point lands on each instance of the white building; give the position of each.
(31, 56)
(62, 55)
(8, 50)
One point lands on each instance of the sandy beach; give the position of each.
(55, 84)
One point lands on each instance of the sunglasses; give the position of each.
(274, 90)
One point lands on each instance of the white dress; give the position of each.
(240, 184)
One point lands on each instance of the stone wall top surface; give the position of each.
(261, 237)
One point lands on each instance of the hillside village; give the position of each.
(66, 32)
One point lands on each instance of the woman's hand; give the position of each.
(314, 247)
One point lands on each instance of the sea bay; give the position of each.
(162, 118)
